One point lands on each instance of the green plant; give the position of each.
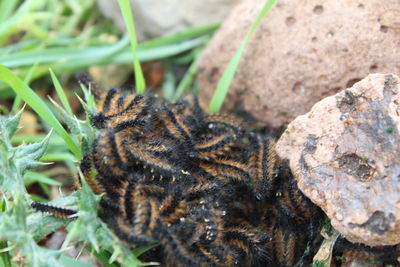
(318, 264)
(50, 43)
(372, 260)
(38, 105)
(328, 228)
(21, 229)
(340, 259)
(227, 77)
(129, 22)
(17, 232)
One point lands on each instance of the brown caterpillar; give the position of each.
(209, 192)
(55, 211)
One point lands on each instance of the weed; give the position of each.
(50, 42)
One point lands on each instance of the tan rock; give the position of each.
(154, 18)
(344, 154)
(28, 124)
(302, 52)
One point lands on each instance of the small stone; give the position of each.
(28, 123)
(352, 171)
(339, 216)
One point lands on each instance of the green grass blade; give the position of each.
(45, 188)
(11, 21)
(72, 46)
(38, 105)
(68, 261)
(5, 259)
(71, 53)
(61, 54)
(188, 77)
(129, 22)
(226, 79)
(180, 36)
(28, 77)
(60, 92)
(31, 177)
(54, 140)
(125, 56)
(6, 7)
(102, 256)
(57, 156)
(169, 85)
(72, 59)
(21, 45)
(4, 256)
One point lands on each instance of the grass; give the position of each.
(60, 93)
(129, 22)
(39, 106)
(223, 85)
(64, 52)
(47, 40)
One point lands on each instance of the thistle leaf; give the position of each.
(8, 126)
(26, 156)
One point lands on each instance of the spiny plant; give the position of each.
(20, 228)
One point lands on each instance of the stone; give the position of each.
(155, 18)
(344, 154)
(301, 53)
(28, 124)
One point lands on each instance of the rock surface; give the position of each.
(301, 53)
(154, 18)
(344, 154)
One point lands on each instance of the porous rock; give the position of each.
(302, 52)
(154, 18)
(344, 154)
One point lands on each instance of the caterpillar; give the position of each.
(53, 210)
(209, 192)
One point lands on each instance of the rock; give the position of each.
(301, 53)
(160, 18)
(28, 123)
(344, 155)
(116, 74)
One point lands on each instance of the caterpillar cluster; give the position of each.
(202, 187)
(199, 184)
